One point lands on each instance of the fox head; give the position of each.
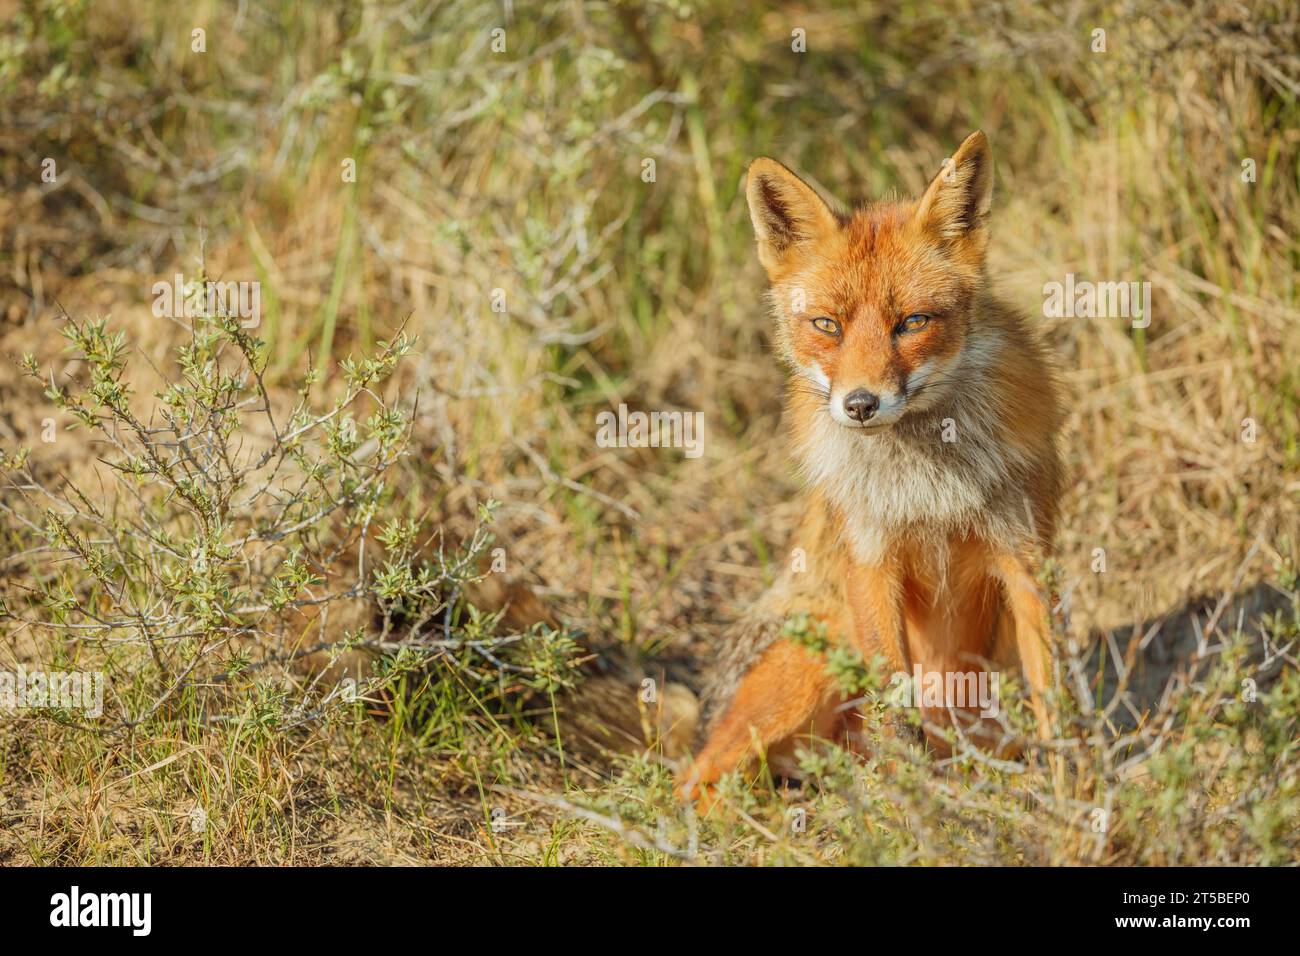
(874, 307)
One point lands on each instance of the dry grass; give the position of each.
(522, 172)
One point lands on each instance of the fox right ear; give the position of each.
(785, 210)
(955, 206)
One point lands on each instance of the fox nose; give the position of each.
(860, 404)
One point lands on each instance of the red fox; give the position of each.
(924, 414)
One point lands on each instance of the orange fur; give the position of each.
(933, 499)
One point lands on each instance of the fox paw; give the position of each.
(693, 787)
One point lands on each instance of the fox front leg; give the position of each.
(1031, 624)
(875, 601)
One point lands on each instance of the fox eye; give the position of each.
(914, 323)
(827, 325)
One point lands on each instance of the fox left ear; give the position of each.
(786, 213)
(955, 206)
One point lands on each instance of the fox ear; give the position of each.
(956, 203)
(785, 210)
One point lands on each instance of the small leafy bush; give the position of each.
(238, 537)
